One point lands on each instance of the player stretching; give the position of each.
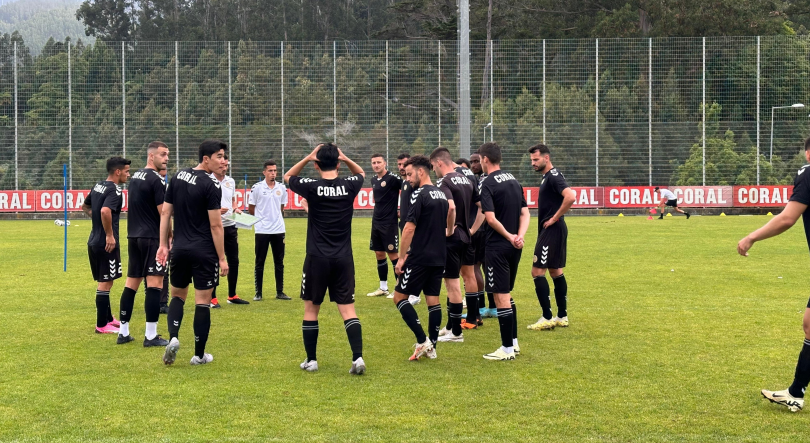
(231, 235)
(404, 206)
(103, 205)
(668, 199)
(384, 235)
(427, 225)
(550, 250)
(267, 200)
(505, 208)
(146, 192)
(793, 396)
(461, 193)
(479, 244)
(198, 250)
(329, 263)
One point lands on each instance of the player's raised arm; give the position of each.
(775, 226)
(298, 167)
(354, 168)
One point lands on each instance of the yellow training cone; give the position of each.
(722, 214)
(669, 215)
(770, 213)
(621, 215)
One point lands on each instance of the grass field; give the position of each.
(672, 336)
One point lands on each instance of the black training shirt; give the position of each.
(386, 195)
(193, 193)
(473, 207)
(503, 195)
(429, 213)
(105, 194)
(550, 196)
(464, 193)
(331, 206)
(404, 202)
(801, 194)
(146, 192)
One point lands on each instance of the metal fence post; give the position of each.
(70, 123)
(282, 106)
(16, 127)
(491, 93)
(544, 91)
(758, 102)
(597, 112)
(464, 113)
(439, 53)
(704, 111)
(649, 113)
(386, 97)
(123, 101)
(177, 102)
(334, 87)
(230, 108)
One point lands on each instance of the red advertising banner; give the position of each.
(45, 201)
(18, 201)
(645, 196)
(586, 197)
(762, 196)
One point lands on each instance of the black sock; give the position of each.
(151, 304)
(482, 301)
(472, 306)
(802, 377)
(127, 304)
(382, 269)
(561, 295)
(514, 318)
(491, 299)
(355, 333)
(393, 269)
(434, 322)
(202, 325)
(310, 330)
(175, 316)
(454, 311)
(505, 318)
(542, 290)
(412, 320)
(449, 324)
(102, 304)
(109, 309)
(233, 277)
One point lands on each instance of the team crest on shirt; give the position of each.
(534, 260)
(382, 184)
(278, 192)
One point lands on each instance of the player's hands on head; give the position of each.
(341, 156)
(110, 246)
(223, 267)
(744, 245)
(313, 156)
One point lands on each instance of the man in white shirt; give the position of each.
(667, 198)
(228, 186)
(267, 200)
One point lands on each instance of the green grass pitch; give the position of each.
(672, 336)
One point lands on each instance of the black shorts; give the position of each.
(335, 274)
(186, 266)
(384, 237)
(456, 251)
(106, 266)
(479, 242)
(500, 269)
(142, 258)
(673, 203)
(551, 248)
(420, 279)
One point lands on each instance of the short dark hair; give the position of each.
(226, 156)
(656, 188)
(210, 147)
(491, 151)
(419, 161)
(270, 162)
(807, 144)
(540, 148)
(327, 157)
(403, 156)
(155, 145)
(464, 161)
(377, 154)
(116, 163)
(441, 154)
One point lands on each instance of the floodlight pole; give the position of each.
(464, 114)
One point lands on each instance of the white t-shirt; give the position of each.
(268, 202)
(228, 186)
(666, 194)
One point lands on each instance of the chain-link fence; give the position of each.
(614, 112)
